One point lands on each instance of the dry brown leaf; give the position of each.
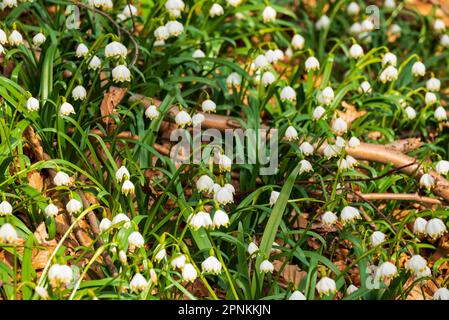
(350, 113)
(291, 272)
(110, 100)
(35, 180)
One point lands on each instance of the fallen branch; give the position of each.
(398, 197)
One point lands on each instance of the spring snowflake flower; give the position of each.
(79, 93)
(355, 28)
(135, 239)
(198, 54)
(151, 112)
(266, 267)
(318, 113)
(224, 163)
(39, 39)
(331, 151)
(386, 271)
(197, 119)
(268, 14)
(61, 179)
(211, 265)
(329, 218)
(204, 184)
(298, 42)
(389, 74)
(3, 37)
(42, 292)
(395, 29)
(234, 3)
(138, 283)
(291, 133)
(199, 220)
(297, 295)
(60, 275)
(356, 51)
(95, 63)
(115, 50)
(439, 25)
(208, 106)
(418, 69)
(377, 238)
(326, 286)
(178, 262)
(105, 224)
(305, 166)
(440, 114)
(261, 62)
(189, 272)
(161, 33)
(274, 197)
(430, 98)
(32, 104)
(416, 264)
(122, 174)
(339, 126)
(5, 208)
(349, 214)
(306, 148)
(9, 3)
(175, 28)
(389, 5)
(410, 113)
(323, 22)
(15, 38)
(389, 59)
(224, 196)
(444, 40)
(288, 94)
(129, 10)
(51, 210)
(367, 25)
(183, 118)
(442, 167)
(351, 289)
(354, 142)
(353, 9)
(161, 254)
(234, 79)
(312, 64)
(419, 226)
(221, 218)
(74, 206)
(326, 96)
(128, 187)
(427, 181)
(433, 84)
(252, 248)
(81, 51)
(441, 294)
(268, 78)
(216, 10)
(8, 234)
(365, 87)
(435, 228)
(121, 73)
(121, 217)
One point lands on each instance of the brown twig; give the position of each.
(398, 197)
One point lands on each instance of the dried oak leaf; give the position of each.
(110, 100)
(291, 272)
(350, 113)
(35, 180)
